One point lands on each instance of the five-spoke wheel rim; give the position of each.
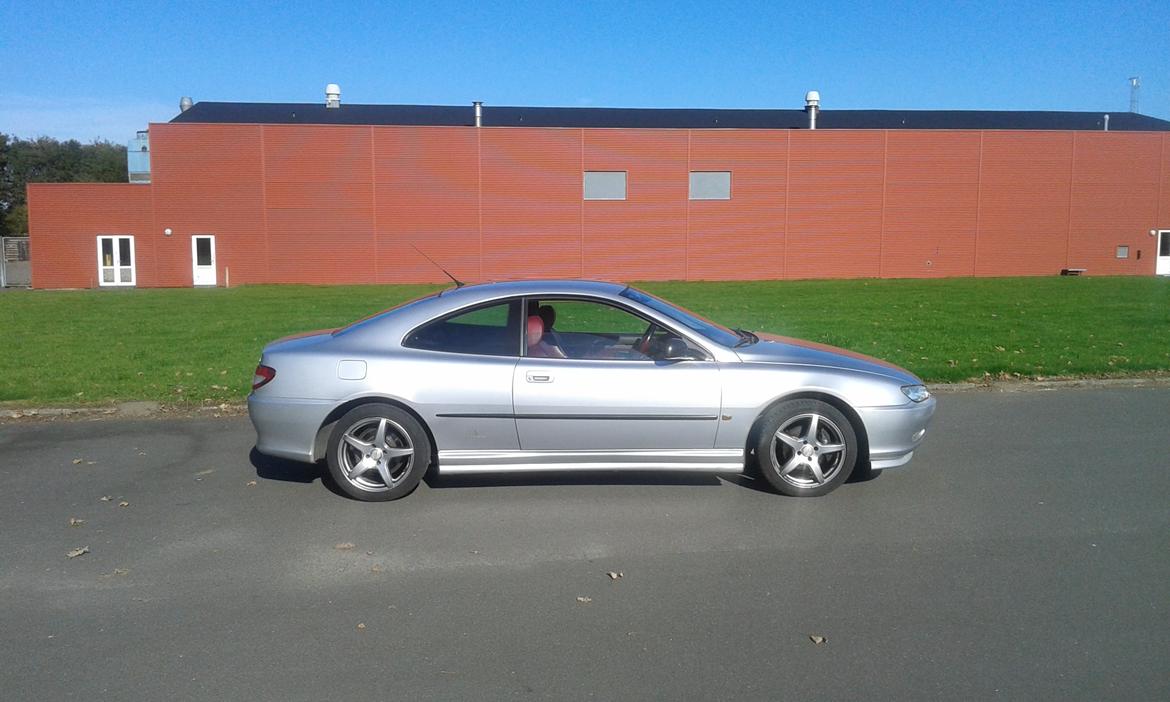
(375, 454)
(808, 450)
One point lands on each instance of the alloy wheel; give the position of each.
(808, 450)
(375, 454)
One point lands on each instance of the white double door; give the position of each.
(1163, 264)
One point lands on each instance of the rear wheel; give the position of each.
(806, 447)
(378, 452)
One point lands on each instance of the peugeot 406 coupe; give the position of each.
(567, 375)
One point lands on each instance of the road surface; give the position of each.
(1024, 553)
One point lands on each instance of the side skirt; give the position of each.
(697, 460)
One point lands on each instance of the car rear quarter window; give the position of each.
(488, 330)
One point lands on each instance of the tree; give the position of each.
(47, 160)
(6, 190)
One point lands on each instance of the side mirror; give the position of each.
(676, 349)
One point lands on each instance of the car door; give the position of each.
(590, 382)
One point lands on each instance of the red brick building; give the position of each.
(297, 193)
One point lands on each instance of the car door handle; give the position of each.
(538, 377)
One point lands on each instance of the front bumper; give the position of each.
(286, 427)
(895, 432)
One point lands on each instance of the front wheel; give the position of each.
(378, 452)
(806, 448)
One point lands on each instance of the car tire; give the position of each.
(378, 452)
(800, 463)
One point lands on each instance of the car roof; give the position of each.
(534, 287)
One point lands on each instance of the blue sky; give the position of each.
(103, 70)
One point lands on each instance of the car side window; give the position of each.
(490, 330)
(583, 329)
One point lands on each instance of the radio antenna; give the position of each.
(458, 283)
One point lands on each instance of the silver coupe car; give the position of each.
(576, 375)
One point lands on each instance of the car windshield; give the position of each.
(704, 327)
(376, 315)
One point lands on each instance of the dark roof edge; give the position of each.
(663, 118)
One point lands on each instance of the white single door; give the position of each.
(1163, 265)
(203, 259)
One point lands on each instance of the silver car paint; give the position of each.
(484, 412)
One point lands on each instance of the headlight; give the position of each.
(917, 393)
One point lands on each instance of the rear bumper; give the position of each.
(286, 427)
(894, 432)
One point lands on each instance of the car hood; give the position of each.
(772, 348)
(301, 340)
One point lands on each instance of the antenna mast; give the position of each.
(458, 283)
(1135, 84)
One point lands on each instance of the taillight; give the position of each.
(262, 377)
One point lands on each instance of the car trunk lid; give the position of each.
(297, 341)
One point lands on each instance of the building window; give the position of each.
(605, 185)
(1123, 252)
(115, 260)
(710, 185)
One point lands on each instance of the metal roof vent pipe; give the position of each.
(333, 95)
(478, 113)
(812, 105)
(185, 103)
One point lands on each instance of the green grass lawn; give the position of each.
(196, 346)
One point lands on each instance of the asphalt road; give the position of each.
(1025, 553)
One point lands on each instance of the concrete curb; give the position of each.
(156, 410)
(1025, 385)
(124, 410)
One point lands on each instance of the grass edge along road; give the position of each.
(199, 346)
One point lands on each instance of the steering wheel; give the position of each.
(643, 344)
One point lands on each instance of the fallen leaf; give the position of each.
(614, 576)
(376, 568)
(251, 483)
(584, 600)
(817, 639)
(105, 498)
(346, 546)
(74, 521)
(361, 626)
(123, 503)
(76, 461)
(77, 552)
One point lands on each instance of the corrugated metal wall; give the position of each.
(65, 220)
(343, 204)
